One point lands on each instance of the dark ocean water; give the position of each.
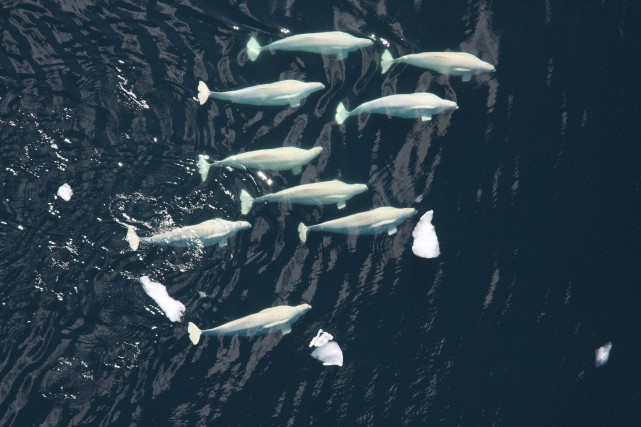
(535, 183)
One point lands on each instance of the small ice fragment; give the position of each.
(321, 338)
(602, 354)
(202, 294)
(329, 353)
(425, 240)
(65, 192)
(173, 309)
(419, 198)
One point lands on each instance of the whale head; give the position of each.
(302, 308)
(313, 87)
(359, 188)
(315, 151)
(408, 212)
(243, 225)
(363, 43)
(449, 105)
(485, 67)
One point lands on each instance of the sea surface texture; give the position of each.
(535, 183)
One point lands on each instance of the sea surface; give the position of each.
(535, 183)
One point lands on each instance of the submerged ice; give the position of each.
(327, 351)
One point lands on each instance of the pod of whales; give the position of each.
(379, 220)
(324, 193)
(274, 159)
(452, 63)
(408, 106)
(274, 319)
(284, 92)
(207, 233)
(335, 43)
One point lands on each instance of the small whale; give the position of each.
(211, 232)
(275, 159)
(461, 64)
(274, 319)
(336, 43)
(407, 106)
(324, 193)
(379, 220)
(284, 92)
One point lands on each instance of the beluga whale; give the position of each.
(212, 232)
(407, 106)
(284, 92)
(323, 193)
(461, 64)
(379, 220)
(274, 319)
(275, 159)
(336, 43)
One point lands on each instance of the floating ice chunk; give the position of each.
(320, 338)
(173, 309)
(425, 240)
(65, 192)
(202, 294)
(327, 351)
(602, 354)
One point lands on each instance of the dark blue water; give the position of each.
(535, 183)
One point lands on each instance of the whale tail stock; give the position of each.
(246, 202)
(203, 92)
(341, 114)
(132, 238)
(253, 49)
(302, 232)
(386, 61)
(194, 333)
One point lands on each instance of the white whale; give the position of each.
(275, 159)
(274, 319)
(375, 221)
(408, 106)
(211, 232)
(461, 64)
(324, 193)
(335, 43)
(284, 92)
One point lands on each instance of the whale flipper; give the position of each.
(295, 103)
(426, 118)
(287, 330)
(341, 204)
(391, 230)
(222, 243)
(341, 55)
(466, 77)
(297, 170)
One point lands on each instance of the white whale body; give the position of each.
(461, 64)
(325, 193)
(379, 220)
(408, 106)
(284, 92)
(207, 233)
(275, 159)
(335, 43)
(274, 319)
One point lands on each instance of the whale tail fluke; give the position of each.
(203, 166)
(386, 61)
(302, 232)
(341, 114)
(246, 202)
(203, 92)
(132, 238)
(253, 49)
(194, 333)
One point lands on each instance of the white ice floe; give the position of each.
(602, 354)
(173, 309)
(327, 351)
(65, 192)
(425, 240)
